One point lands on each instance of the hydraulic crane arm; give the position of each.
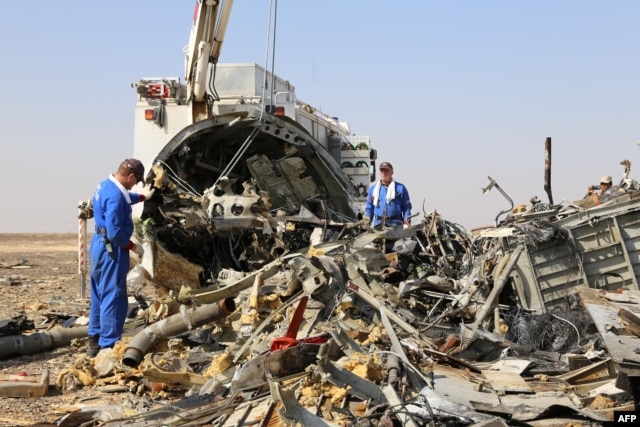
(210, 19)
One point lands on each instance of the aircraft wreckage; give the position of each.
(279, 307)
(337, 324)
(276, 305)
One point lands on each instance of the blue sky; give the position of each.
(450, 92)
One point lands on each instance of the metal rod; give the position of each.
(547, 169)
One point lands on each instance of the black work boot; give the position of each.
(94, 347)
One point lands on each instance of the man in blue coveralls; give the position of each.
(387, 201)
(110, 248)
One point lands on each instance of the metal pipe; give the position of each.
(393, 368)
(173, 325)
(493, 183)
(371, 300)
(39, 342)
(497, 287)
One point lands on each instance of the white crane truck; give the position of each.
(232, 100)
(234, 151)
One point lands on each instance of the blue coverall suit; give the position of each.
(113, 219)
(397, 210)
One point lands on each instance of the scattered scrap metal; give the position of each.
(301, 319)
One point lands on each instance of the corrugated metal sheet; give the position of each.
(601, 250)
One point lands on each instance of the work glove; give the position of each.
(147, 192)
(137, 248)
(405, 225)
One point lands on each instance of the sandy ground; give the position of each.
(39, 276)
(39, 273)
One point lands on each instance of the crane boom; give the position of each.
(210, 19)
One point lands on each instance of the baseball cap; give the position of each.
(386, 165)
(605, 179)
(135, 166)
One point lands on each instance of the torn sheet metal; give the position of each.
(290, 409)
(360, 387)
(506, 382)
(620, 343)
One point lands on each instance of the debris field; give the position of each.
(315, 322)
